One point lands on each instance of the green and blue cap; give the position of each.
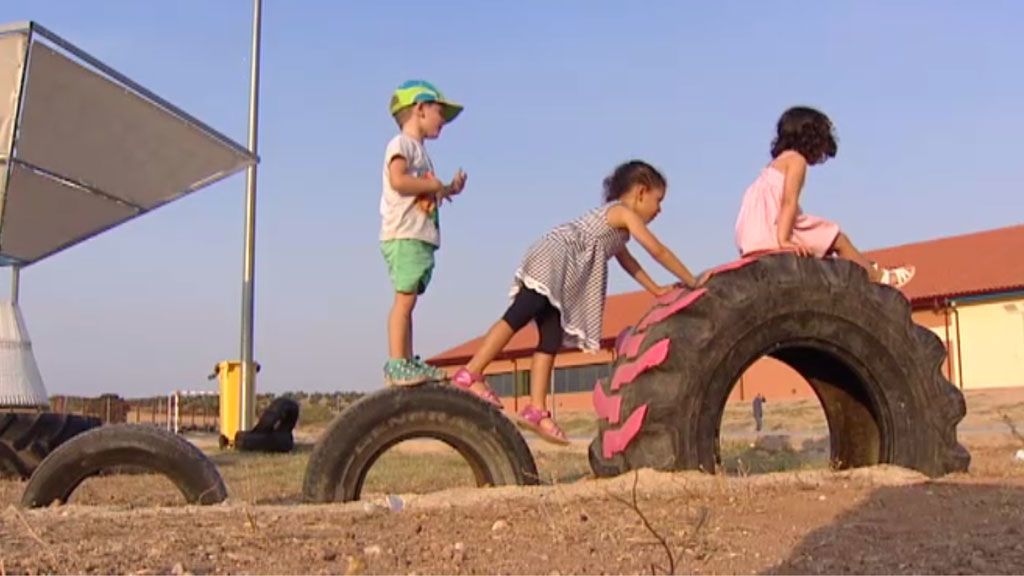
(415, 91)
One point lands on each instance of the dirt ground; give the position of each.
(807, 519)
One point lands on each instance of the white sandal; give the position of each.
(897, 277)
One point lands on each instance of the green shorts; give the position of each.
(410, 264)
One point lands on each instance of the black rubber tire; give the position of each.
(877, 374)
(601, 467)
(273, 431)
(27, 437)
(490, 442)
(280, 416)
(124, 445)
(264, 441)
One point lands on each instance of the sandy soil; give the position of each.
(874, 520)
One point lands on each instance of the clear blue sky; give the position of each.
(926, 96)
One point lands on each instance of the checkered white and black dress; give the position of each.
(569, 266)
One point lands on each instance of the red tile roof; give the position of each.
(970, 264)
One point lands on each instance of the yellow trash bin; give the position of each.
(229, 376)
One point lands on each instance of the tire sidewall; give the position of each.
(493, 447)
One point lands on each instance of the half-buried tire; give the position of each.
(26, 438)
(877, 374)
(279, 442)
(129, 446)
(280, 416)
(489, 442)
(273, 431)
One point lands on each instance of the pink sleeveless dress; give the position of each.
(757, 226)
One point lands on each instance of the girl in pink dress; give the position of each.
(770, 217)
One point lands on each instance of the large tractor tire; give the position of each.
(490, 443)
(125, 446)
(877, 374)
(27, 437)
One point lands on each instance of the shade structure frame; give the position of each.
(82, 124)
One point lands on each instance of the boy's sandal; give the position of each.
(405, 375)
(433, 372)
(530, 418)
(897, 277)
(406, 381)
(465, 379)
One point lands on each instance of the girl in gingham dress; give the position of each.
(562, 281)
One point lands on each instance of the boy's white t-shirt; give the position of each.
(400, 217)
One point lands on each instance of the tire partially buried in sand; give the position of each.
(274, 430)
(125, 446)
(488, 441)
(877, 374)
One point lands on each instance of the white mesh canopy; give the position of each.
(83, 149)
(12, 59)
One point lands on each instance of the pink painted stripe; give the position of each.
(620, 340)
(630, 345)
(672, 296)
(734, 265)
(605, 406)
(652, 357)
(659, 314)
(615, 441)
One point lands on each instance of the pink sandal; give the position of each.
(530, 418)
(465, 379)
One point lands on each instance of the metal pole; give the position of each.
(247, 404)
(15, 283)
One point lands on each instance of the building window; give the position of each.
(510, 384)
(502, 384)
(579, 378)
(565, 380)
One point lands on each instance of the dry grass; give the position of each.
(414, 467)
(803, 415)
(424, 466)
(807, 522)
(419, 468)
(744, 459)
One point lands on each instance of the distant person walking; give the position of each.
(759, 401)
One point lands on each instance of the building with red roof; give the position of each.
(969, 290)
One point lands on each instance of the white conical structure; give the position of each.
(21, 384)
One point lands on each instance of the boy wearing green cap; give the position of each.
(409, 232)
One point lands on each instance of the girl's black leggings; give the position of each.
(531, 305)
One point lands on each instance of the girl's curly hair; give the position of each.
(627, 175)
(807, 131)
